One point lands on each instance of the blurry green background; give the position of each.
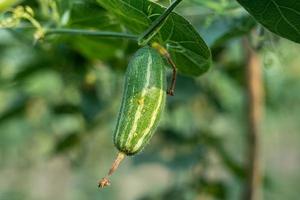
(59, 102)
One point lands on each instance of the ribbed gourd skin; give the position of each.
(143, 101)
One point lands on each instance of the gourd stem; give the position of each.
(164, 52)
(105, 181)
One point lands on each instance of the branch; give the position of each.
(91, 33)
(70, 31)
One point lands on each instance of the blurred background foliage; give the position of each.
(59, 101)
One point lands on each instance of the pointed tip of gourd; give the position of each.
(105, 181)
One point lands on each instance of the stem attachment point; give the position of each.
(166, 54)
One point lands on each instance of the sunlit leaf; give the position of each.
(187, 48)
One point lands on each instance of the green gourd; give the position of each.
(142, 105)
(143, 101)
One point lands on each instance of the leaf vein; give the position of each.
(284, 17)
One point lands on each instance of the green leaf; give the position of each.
(89, 15)
(279, 16)
(188, 50)
(5, 4)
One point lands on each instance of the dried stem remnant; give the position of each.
(105, 181)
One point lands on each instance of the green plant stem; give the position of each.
(157, 24)
(91, 33)
(17, 28)
(70, 31)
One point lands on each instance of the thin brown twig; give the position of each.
(105, 181)
(174, 76)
